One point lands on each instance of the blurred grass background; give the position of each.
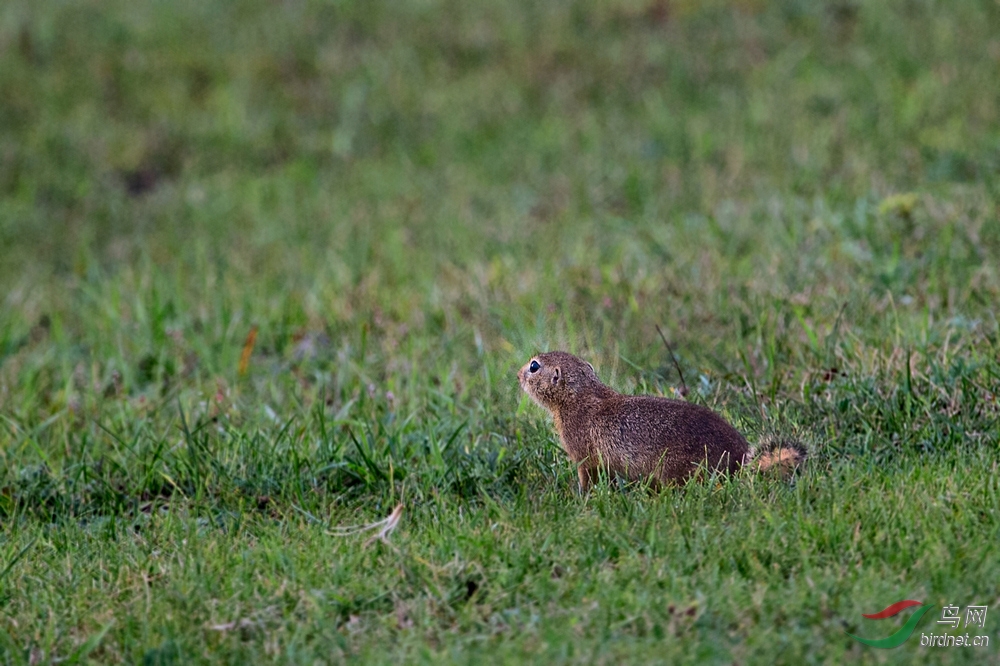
(405, 201)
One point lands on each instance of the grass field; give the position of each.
(268, 269)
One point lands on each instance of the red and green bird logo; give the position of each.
(898, 638)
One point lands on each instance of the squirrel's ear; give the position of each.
(556, 374)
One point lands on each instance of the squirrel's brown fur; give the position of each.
(638, 437)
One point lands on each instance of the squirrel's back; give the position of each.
(646, 436)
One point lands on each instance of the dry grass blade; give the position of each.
(384, 527)
(680, 373)
(235, 624)
(247, 351)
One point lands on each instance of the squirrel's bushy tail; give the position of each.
(773, 454)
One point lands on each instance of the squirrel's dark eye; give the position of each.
(534, 366)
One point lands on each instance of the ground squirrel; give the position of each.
(639, 437)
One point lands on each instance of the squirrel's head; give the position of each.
(556, 378)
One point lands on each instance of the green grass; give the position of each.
(407, 200)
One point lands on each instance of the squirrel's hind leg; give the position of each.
(587, 475)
